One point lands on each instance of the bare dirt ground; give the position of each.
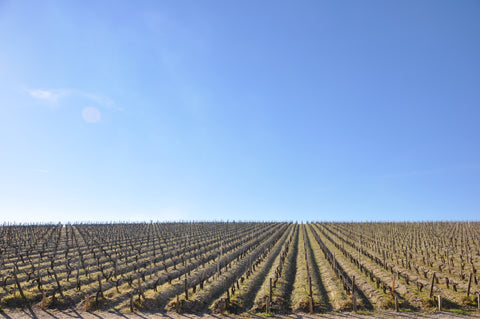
(76, 314)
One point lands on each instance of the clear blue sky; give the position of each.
(245, 110)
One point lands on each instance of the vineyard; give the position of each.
(237, 267)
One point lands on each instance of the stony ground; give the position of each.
(76, 314)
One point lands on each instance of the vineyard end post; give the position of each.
(271, 292)
(354, 297)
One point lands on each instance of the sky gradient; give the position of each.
(239, 110)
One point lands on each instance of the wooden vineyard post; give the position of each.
(140, 290)
(100, 286)
(310, 304)
(228, 296)
(268, 305)
(186, 289)
(310, 291)
(44, 297)
(271, 292)
(131, 302)
(478, 301)
(396, 304)
(354, 297)
(406, 258)
(87, 302)
(178, 304)
(439, 303)
(431, 286)
(393, 287)
(469, 285)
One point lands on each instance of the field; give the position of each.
(239, 267)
